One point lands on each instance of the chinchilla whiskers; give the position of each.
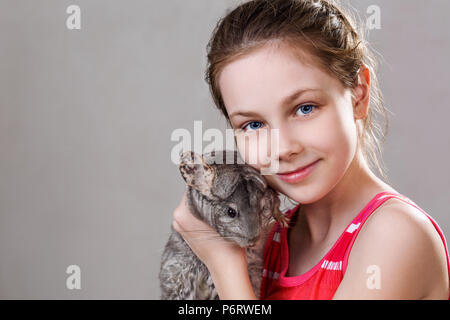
(200, 231)
(210, 235)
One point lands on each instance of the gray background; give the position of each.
(86, 118)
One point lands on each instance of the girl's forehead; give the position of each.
(270, 74)
(271, 61)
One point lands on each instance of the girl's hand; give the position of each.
(225, 260)
(206, 243)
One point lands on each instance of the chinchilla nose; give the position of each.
(252, 242)
(253, 232)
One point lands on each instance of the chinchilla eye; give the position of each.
(231, 212)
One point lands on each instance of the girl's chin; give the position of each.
(298, 193)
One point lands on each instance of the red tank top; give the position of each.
(322, 281)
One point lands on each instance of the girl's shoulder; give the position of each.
(401, 218)
(403, 243)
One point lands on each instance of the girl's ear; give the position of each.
(361, 94)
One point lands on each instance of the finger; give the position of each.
(176, 226)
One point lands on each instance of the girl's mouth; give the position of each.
(299, 174)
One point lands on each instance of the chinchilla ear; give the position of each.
(227, 182)
(228, 176)
(251, 174)
(196, 172)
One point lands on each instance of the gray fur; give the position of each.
(213, 187)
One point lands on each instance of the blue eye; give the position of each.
(254, 125)
(307, 108)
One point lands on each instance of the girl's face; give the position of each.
(261, 92)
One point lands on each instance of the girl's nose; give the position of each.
(289, 144)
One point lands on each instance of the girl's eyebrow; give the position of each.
(288, 99)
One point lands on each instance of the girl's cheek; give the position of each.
(254, 148)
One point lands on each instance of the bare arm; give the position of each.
(397, 255)
(231, 278)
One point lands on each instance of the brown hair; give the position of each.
(320, 27)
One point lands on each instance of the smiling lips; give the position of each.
(299, 174)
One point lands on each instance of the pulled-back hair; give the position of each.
(319, 27)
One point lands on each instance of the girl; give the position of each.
(301, 67)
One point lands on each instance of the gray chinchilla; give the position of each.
(236, 201)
